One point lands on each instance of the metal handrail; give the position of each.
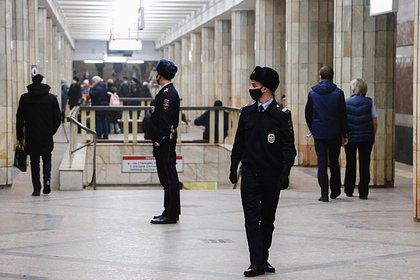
(73, 119)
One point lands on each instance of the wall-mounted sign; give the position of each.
(380, 7)
(145, 164)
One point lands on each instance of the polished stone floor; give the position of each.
(106, 234)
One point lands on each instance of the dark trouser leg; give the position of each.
(350, 178)
(269, 201)
(46, 168)
(321, 148)
(334, 147)
(168, 178)
(251, 194)
(35, 172)
(365, 148)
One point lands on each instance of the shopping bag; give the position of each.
(20, 158)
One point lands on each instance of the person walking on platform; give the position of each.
(38, 118)
(264, 144)
(325, 114)
(164, 122)
(362, 119)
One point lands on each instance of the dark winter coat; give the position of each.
(74, 95)
(359, 119)
(38, 118)
(99, 94)
(325, 111)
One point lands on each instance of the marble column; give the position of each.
(7, 105)
(165, 52)
(309, 33)
(196, 98)
(171, 52)
(42, 40)
(21, 45)
(223, 60)
(185, 68)
(270, 38)
(207, 56)
(178, 62)
(365, 48)
(243, 55)
(33, 31)
(416, 116)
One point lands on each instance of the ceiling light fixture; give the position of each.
(125, 45)
(90, 61)
(114, 59)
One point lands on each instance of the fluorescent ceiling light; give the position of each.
(115, 59)
(124, 45)
(93, 61)
(135, 61)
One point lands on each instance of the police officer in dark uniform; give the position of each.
(164, 121)
(264, 144)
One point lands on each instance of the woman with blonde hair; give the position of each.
(362, 120)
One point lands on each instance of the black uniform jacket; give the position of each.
(264, 142)
(165, 114)
(38, 118)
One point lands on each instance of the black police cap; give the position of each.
(267, 76)
(166, 68)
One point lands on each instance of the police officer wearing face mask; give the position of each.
(164, 121)
(264, 144)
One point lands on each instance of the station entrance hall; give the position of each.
(143, 105)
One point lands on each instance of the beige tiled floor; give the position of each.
(106, 234)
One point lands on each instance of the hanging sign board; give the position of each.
(380, 7)
(145, 164)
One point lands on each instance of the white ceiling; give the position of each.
(93, 19)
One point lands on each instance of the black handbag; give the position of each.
(20, 158)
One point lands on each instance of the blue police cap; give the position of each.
(166, 68)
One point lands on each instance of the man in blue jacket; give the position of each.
(325, 115)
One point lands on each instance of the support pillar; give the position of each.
(178, 77)
(223, 60)
(195, 74)
(7, 105)
(270, 38)
(365, 48)
(186, 66)
(416, 116)
(243, 55)
(207, 55)
(309, 33)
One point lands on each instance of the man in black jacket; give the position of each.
(264, 143)
(37, 120)
(204, 120)
(164, 121)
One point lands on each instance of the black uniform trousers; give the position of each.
(365, 148)
(168, 177)
(328, 152)
(260, 196)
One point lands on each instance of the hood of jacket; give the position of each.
(324, 87)
(38, 89)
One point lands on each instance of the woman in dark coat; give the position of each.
(38, 118)
(75, 93)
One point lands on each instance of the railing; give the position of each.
(74, 147)
(87, 119)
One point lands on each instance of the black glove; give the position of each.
(156, 147)
(233, 176)
(283, 182)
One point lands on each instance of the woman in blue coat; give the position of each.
(362, 119)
